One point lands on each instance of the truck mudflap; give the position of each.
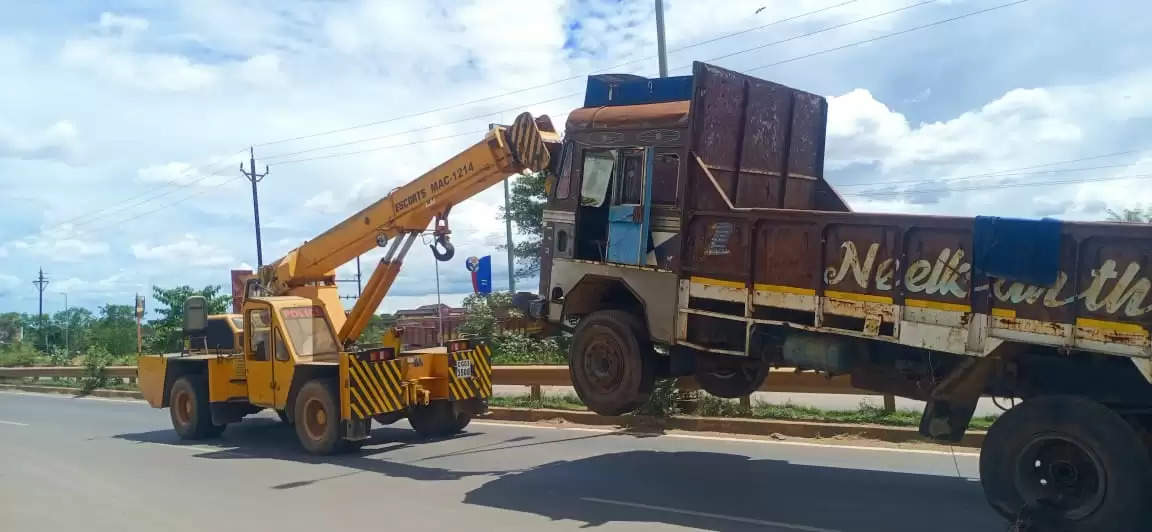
(470, 373)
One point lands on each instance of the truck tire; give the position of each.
(611, 362)
(437, 419)
(317, 413)
(189, 410)
(1070, 463)
(729, 377)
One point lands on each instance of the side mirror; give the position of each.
(195, 316)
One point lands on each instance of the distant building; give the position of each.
(421, 325)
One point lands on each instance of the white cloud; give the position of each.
(114, 59)
(189, 250)
(113, 23)
(61, 243)
(175, 173)
(8, 283)
(262, 70)
(112, 284)
(58, 141)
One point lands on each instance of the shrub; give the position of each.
(96, 358)
(19, 354)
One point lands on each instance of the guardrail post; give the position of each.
(889, 403)
(537, 393)
(746, 403)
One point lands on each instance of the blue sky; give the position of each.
(123, 122)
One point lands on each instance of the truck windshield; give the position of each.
(308, 330)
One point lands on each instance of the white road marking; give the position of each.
(737, 519)
(17, 423)
(743, 440)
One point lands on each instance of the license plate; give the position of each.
(464, 369)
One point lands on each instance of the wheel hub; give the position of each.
(183, 407)
(1061, 474)
(606, 357)
(315, 419)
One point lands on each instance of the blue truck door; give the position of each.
(629, 213)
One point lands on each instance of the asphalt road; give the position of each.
(95, 465)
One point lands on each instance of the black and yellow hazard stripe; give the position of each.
(479, 385)
(527, 146)
(374, 387)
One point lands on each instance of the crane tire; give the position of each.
(189, 410)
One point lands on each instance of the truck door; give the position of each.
(631, 207)
(258, 353)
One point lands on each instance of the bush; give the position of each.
(664, 400)
(516, 348)
(19, 354)
(59, 356)
(95, 360)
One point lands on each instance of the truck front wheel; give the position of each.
(317, 414)
(1069, 463)
(611, 363)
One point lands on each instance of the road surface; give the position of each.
(107, 465)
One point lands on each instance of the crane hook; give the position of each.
(449, 249)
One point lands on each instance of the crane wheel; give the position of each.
(317, 417)
(437, 419)
(1067, 463)
(612, 362)
(188, 407)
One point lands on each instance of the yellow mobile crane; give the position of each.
(297, 355)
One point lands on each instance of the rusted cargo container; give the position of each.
(689, 230)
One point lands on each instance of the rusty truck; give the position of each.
(689, 230)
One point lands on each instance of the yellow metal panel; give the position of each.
(222, 382)
(1117, 326)
(853, 296)
(1004, 313)
(345, 403)
(717, 282)
(937, 305)
(785, 289)
(150, 370)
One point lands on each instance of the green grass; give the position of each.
(558, 402)
(708, 406)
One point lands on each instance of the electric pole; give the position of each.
(660, 49)
(254, 178)
(41, 283)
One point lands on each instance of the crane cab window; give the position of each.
(282, 353)
(259, 334)
(308, 330)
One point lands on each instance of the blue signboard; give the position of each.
(481, 269)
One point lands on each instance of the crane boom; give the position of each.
(395, 220)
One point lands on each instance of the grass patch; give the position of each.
(708, 406)
(558, 402)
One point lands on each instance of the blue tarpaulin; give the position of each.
(1016, 249)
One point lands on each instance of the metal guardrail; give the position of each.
(785, 381)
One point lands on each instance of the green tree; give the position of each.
(11, 324)
(115, 330)
(527, 197)
(167, 330)
(376, 327)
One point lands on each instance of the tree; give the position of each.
(167, 330)
(527, 197)
(115, 330)
(1136, 215)
(11, 325)
(375, 328)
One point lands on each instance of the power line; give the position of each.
(553, 82)
(890, 35)
(1014, 171)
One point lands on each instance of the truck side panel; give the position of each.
(910, 279)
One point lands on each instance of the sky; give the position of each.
(123, 123)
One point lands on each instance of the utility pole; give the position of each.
(660, 49)
(41, 283)
(254, 178)
(508, 241)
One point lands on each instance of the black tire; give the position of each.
(1069, 463)
(437, 419)
(729, 377)
(611, 362)
(189, 410)
(317, 417)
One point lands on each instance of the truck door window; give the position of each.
(308, 330)
(564, 184)
(282, 353)
(260, 328)
(630, 186)
(665, 176)
(597, 173)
